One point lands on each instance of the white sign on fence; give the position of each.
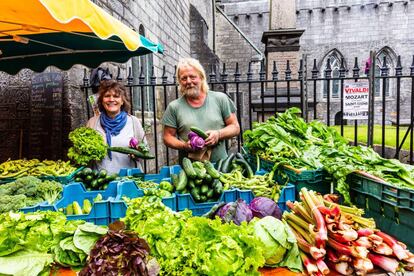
(356, 100)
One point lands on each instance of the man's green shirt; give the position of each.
(210, 116)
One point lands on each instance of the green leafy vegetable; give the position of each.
(185, 245)
(289, 140)
(26, 263)
(88, 145)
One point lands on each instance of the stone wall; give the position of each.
(352, 28)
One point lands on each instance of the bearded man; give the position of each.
(211, 111)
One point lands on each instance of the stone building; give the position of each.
(194, 28)
(350, 29)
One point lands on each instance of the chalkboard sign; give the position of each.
(46, 116)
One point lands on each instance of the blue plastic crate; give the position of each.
(130, 190)
(31, 209)
(288, 193)
(100, 213)
(164, 174)
(186, 201)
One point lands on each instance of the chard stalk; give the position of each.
(321, 233)
(386, 263)
(399, 251)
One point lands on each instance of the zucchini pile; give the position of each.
(95, 179)
(200, 179)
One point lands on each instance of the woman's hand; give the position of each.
(213, 137)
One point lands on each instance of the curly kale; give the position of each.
(88, 145)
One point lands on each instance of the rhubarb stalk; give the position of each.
(386, 263)
(355, 251)
(399, 251)
(323, 268)
(309, 265)
(321, 232)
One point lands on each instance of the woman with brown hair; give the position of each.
(116, 125)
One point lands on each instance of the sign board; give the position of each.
(46, 116)
(356, 95)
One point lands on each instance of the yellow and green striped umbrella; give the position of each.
(37, 33)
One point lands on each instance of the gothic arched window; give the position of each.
(379, 63)
(335, 62)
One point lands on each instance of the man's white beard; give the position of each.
(192, 92)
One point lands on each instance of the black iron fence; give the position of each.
(259, 94)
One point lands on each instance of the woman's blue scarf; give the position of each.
(113, 126)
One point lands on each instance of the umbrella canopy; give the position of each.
(37, 33)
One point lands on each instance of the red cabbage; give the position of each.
(133, 143)
(235, 211)
(263, 206)
(197, 143)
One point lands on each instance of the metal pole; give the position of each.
(371, 99)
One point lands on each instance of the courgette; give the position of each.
(188, 168)
(200, 173)
(199, 132)
(195, 192)
(174, 179)
(217, 186)
(246, 166)
(226, 167)
(182, 181)
(208, 179)
(191, 184)
(219, 163)
(204, 189)
(211, 170)
(210, 193)
(136, 153)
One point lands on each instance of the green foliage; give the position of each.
(88, 145)
(35, 240)
(289, 140)
(49, 190)
(186, 245)
(27, 191)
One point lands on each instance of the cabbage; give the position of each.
(279, 242)
(197, 143)
(263, 206)
(235, 211)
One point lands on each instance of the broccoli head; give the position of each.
(12, 202)
(49, 190)
(27, 186)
